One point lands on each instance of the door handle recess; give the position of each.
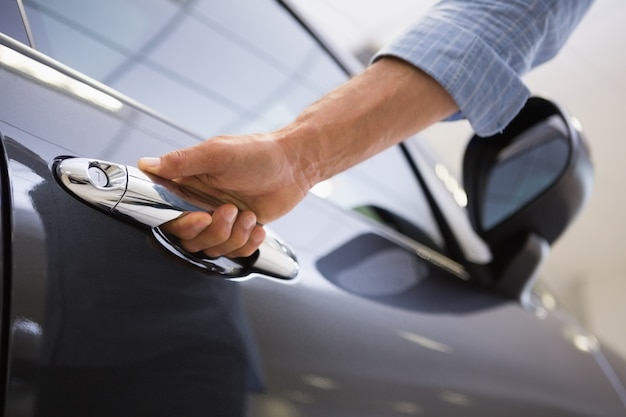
(128, 193)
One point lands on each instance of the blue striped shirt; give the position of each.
(478, 50)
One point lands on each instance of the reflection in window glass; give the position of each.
(202, 64)
(386, 181)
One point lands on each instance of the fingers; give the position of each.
(255, 240)
(227, 232)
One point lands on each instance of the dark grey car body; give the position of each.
(97, 319)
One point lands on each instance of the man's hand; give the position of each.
(250, 174)
(262, 177)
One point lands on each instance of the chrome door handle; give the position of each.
(128, 193)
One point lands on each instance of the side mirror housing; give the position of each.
(525, 186)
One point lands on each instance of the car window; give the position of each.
(203, 64)
(222, 68)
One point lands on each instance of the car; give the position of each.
(391, 290)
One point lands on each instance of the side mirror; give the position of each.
(525, 186)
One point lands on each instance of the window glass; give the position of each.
(385, 182)
(218, 68)
(203, 64)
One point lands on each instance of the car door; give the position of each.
(379, 322)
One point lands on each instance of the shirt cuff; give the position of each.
(488, 92)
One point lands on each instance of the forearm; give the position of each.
(382, 106)
(478, 50)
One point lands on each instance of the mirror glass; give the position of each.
(523, 170)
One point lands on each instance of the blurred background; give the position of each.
(587, 267)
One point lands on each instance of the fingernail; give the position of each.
(151, 161)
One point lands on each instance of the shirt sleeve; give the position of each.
(478, 50)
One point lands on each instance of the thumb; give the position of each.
(175, 164)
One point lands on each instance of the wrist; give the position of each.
(300, 143)
(379, 108)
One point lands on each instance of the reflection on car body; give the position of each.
(386, 316)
